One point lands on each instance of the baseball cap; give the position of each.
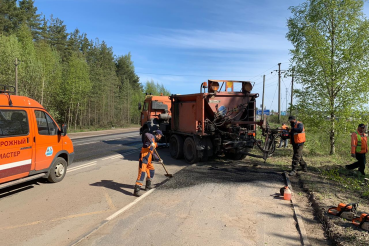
(361, 125)
(159, 133)
(291, 118)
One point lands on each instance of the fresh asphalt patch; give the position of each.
(196, 175)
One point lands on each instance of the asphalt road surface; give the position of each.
(203, 204)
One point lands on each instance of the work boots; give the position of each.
(148, 185)
(137, 191)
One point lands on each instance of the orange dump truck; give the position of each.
(32, 145)
(219, 121)
(155, 114)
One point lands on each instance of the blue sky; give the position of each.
(182, 43)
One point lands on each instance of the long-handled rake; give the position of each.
(162, 163)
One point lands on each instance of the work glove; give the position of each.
(153, 145)
(161, 161)
(353, 155)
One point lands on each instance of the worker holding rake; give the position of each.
(145, 166)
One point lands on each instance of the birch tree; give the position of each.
(330, 55)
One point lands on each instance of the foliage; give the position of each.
(79, 81)
(330, 57)
(155, 89)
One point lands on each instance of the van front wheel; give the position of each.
(58, 170)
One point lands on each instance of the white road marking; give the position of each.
(134, 135)
(112, 157)
(86, 143)
(130, 205)
(82, 166)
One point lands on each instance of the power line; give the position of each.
(273, 97)
(198, 75)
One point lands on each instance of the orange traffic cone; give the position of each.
(287, 194)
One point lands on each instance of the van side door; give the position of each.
(47, 140)
(15, 144)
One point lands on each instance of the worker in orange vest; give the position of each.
(297, 140)
(359, 147)
(284, 136)
(145, 162)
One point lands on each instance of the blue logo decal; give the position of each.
(49, 151)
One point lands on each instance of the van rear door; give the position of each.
(15, 144)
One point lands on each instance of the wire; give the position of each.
(197, 75)
(273, 97)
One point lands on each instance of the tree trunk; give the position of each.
(42, 91)
(89, 113)
(75, 120)
(332, 135)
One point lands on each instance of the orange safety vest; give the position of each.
(299, 137)
(359, 143)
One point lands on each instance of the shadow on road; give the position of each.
(12, 190)
(110, 184)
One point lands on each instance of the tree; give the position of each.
(8, 16)
(51, 75)
(10, 49)
(330, 55)
(57, 36)
(28, 15)
(155, 89)
(76, 87)
(29, 68)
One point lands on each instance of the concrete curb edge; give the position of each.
(300, 223)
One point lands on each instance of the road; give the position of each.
(205, 204)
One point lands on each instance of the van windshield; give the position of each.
(13, 123)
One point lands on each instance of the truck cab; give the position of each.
(155, 114)
(32, 144)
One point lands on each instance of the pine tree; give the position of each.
(8, 16)
(28, 15)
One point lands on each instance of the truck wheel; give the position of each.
(190, 151)
(144, 131)
(58, 170)
(176, 146)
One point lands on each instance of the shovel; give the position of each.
(162, 163)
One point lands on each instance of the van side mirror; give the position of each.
(64, 129)
(139, 106)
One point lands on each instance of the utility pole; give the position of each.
(16, 76)
(286, 100)
(279, 92)
(262, 104)
(291, 94)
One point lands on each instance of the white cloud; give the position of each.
(217, 40)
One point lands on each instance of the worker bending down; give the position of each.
(145, 166)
